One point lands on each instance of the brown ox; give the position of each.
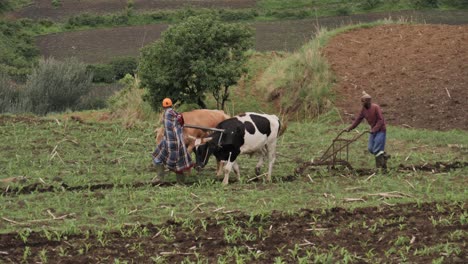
(199, 117)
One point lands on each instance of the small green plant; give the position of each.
(26, 254)
(279, 260)
(402, 240)
(24, 234)
(43, 255)
(63, 252)
(56, 3)
(204, 224)
(101, 237)
(295, 251)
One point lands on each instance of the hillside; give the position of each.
(41, 9)
(93, 46)
(417, 73)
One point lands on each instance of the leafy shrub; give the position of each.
(46, 22)
(343, 11)
(56, 86)
(236, 15)
(56, 3)
(18, 51)
(115, 70)
(370, 4)
(123, 65)
(456, 3)
(85, 19)
(425, 3)
(4, 6)
(102, 73)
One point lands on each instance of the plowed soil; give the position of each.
(390, 234)
(417, 73)
(102, 45)
(44, 8)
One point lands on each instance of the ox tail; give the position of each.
(283, 125)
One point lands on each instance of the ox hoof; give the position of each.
(257, 171)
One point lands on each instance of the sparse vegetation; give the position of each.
(55, 86)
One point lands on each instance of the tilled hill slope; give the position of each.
(417, 73)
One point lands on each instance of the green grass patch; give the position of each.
(51, 152)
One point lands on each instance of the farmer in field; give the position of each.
(171, 153)
(373, 114)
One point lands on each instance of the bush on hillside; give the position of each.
(4, 6)
(85, 19)
(55, 86)
(455, 3)
(18, 51)
(102, 73)
(123, 66)
(425, 3)
(343, 11)
(370, 4)
(115, 70)
(236, 15)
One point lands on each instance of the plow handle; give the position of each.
(204, 128)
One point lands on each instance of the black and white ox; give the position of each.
(249, 133)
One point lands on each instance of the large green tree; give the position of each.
(201, 55)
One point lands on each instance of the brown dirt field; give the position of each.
(417, 73)
(44, 8)
(101, 45)
(389, 234)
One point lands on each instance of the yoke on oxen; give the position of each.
(226, 138)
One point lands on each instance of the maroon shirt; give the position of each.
(374, 117)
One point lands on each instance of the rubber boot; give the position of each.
(381, 163)
(180, 177)
(160, 174)
(384, 163)
(387, 156)
(378, 162)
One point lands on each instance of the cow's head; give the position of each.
(204, 147)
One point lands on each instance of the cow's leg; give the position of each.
(271, 147)
(229, 164)
(219, 168)
(236, 170)
(227, 171)
(260, 161)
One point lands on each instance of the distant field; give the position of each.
(101, 45)
(44, 8)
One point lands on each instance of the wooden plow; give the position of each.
(336, 154)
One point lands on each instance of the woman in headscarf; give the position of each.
(172, 152)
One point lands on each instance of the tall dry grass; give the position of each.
(300, 84)
(128, 105)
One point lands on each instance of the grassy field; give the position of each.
(80, 191)
(89, 179)
(56, 155)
